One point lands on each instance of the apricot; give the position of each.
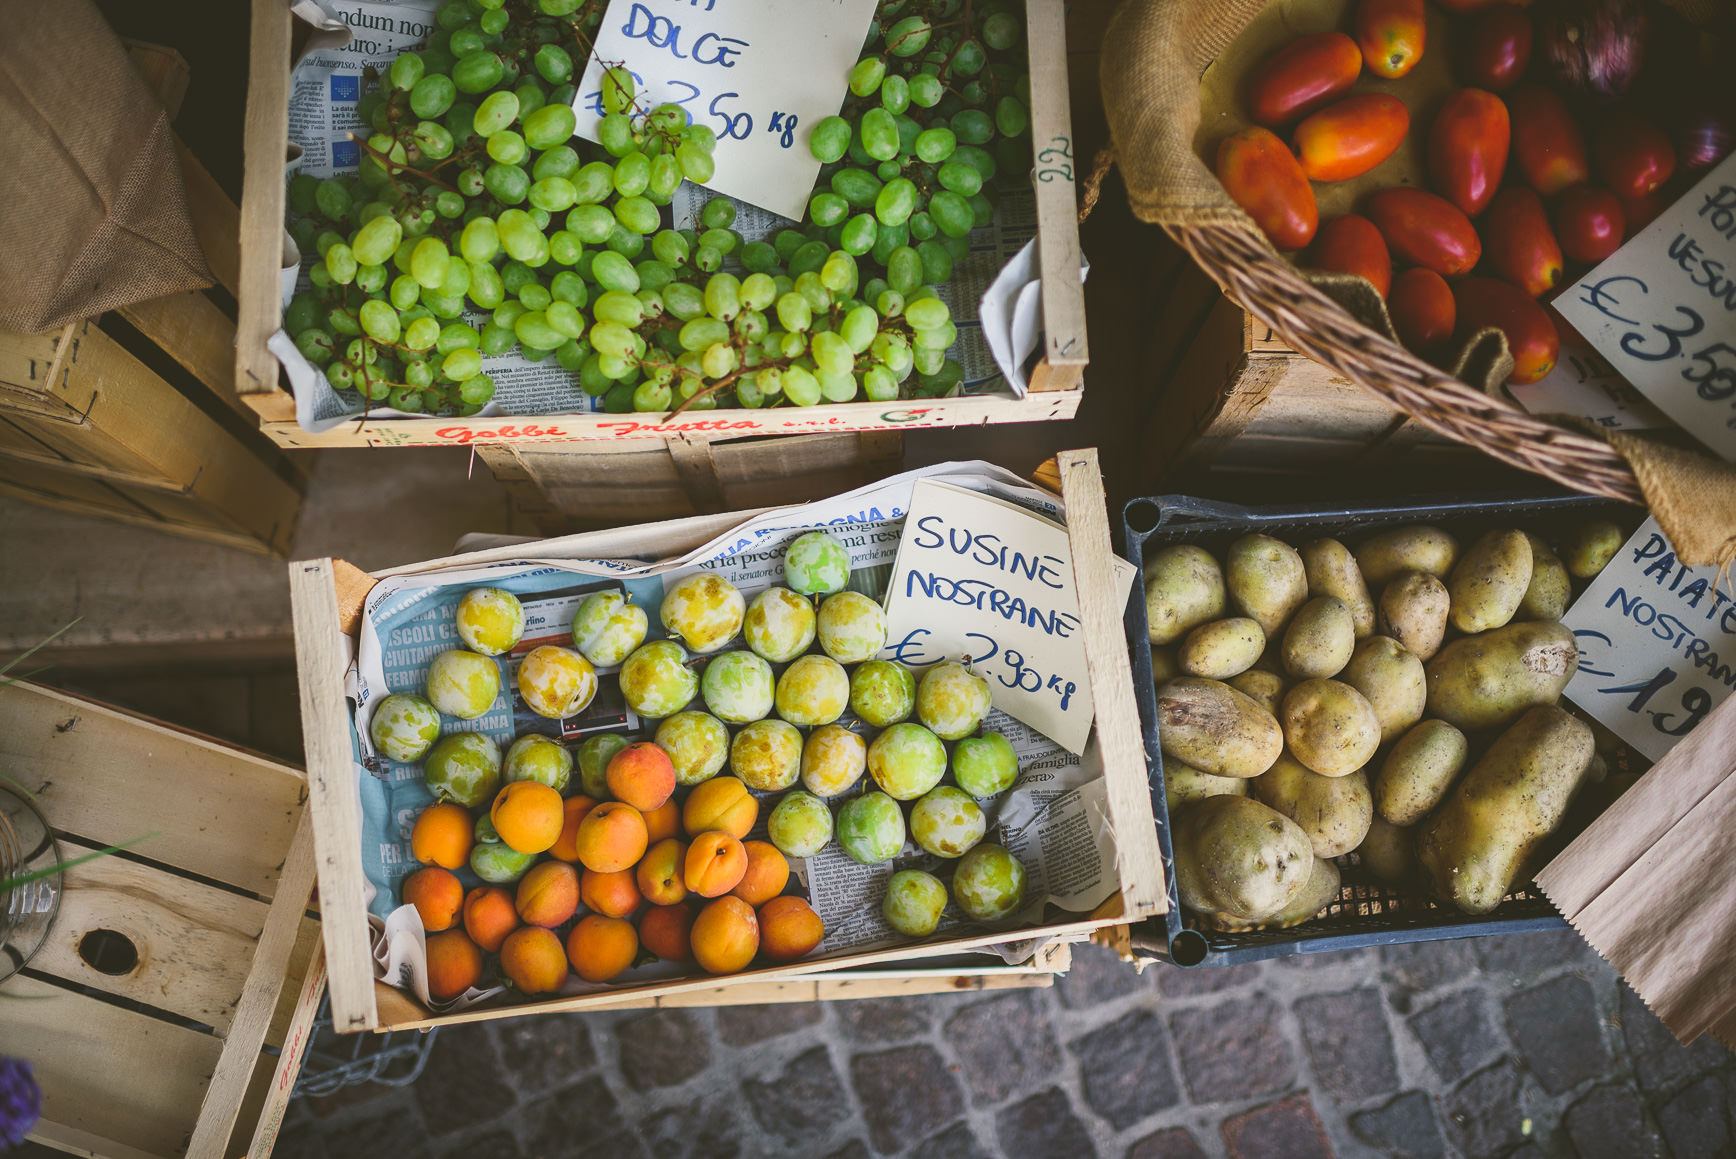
(663, 821)
(614, 895)
(528, 815)
(454, 965)
(725, 936)
(660, 875)
(443, 835)
(767, 873)
(641, 775)
(722, 803)
(573, 810)
(715, 864)
(612, 836)
(437, 894)
(789, 928)
(489, 915)
(549, 894)
(601, 948)
(663, 930)
(532, 959)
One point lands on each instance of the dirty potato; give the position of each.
(1415, 548)
(1184, 588)
(1487, 680)
(1549, 590)
(1214, 728)
(1184, 784)
(1332, 571)
(1413, 611)
(1164, 665)
(1386, 852)
(1330, 726)
(1391, 678)
(1489, 582)
(1222, 648)
(1237, 857)
(1418, 772)
(1266, 580)
(1333, 811)
(1587, 548)
(1318, 893)
(1265, 689)
(1320, 638)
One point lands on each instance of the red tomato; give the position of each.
(1349, 138)
(1518, 245)
(1422, 310)
(1548, 147)
(1304, 75)
(1351, 245)
(1391, 34)
(1425, 230)
(1590, 223)
(1498, 49)
(1484, 303)
(1634, 157)
(1264, 178)
(1468, 149)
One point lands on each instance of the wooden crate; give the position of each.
(169, 1057)
(643, 481)
(326, 597)
(1056, 382)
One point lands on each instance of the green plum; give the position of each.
(832, 760)
(404, 726)
(486, 833)
(656, 681)
(779, 625)
(595, 753)
(812, 691)
(537, 758)
(985, 765)
(738, 687)
(705, 610)
(816, 564)
(499, 863)
(882, 692)
(947, 822)
(767, 755)
(852, 627)
(696, 743)
(952, 700)
(907, 761)
(914, 902)
(490, 620)
(463, 768)
(871, 828)
(989, 883)
(462, 683)
(607, 627)
(800, 825)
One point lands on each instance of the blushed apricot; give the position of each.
(662, 822)
(528, 815)
(601, 948)
(661, 872)
(722, 803)
(614, 895)
(789, 928)
(454, 964)
(612, 836)
(549, 894)
(641, 775)
(489, 915)
(663, 931)
(533, 960)
(767, 873)
(443, 835)
(715, 864)
(437, 894)
(725, 936)
(573, 810)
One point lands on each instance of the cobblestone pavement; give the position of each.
(1526, 1046)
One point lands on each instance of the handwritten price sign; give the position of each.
(760, 73)
(1662, 309)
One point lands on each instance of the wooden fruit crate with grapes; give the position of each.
(471, 223)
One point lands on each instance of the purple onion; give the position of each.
(1704, 138)
(1594, 47)
(20, 1101)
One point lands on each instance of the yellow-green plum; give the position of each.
(882, 692)
(490, 620)
(985, 765)
(463, 768)
(813, 691)
(404, 726)
(989, 883)
(871, 828)
(738, 687)
(952, 700)
(947, 822)
(705, 610)
(696, 743)
(463, 683)
(595, 753)
(486, 833)
(607, 627)
(816, 564)
(852, 627)
(556, 682)
(800, 825)
(537, 758)
(656, 681)
(767, 755)
(914, 902)
(780, 624)
(499, 863)
(832, 760)
(907, 761)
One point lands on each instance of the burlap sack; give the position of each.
(94, 214)
(1154, 52)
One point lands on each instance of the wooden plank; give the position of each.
(195, 333)
(109, 505)
(308, 946)
(265, 138)
(293, 1050)
(32, 369)
(1065, 349)
(216, 220)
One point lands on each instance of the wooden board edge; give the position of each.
(1055, 178)
(290, 1056)
(265, 139)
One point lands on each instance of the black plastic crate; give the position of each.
(1366, 912)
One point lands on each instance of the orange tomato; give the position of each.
(1468, 149)
(1351, 245)
(1264, 178)
(1518, 244)
(1304, 75)
(1422, 310)
(1391, 34)
(1425, 230)
(1548, 147)
(1634, 157)
(1485, 303)
(1590, 223)
(1349, 138)
(1498, 50)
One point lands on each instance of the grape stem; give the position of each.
(391, 167)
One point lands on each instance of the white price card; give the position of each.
(1657, 643)
(980, 577)
(761, 73)
(1662, 309)
(1584, 385)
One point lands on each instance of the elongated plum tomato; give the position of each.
(1391, 35)
(1468, 149)
(1497, 50)
(1518, 244)
(1634, 157)
(1422, 310)
(1304, 75)
(1263, 177)
(1484, 302)
(1349, 138)
(1548, 147)
(1351, 245)
(1590, 223)
(1425, 230)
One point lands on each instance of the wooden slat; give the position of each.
(1065, 349)
(265, 139)
(196, 334)
(32, 367)
(294, 1048)
(216, 220)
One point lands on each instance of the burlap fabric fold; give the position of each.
(1154, 52)
(94, 215)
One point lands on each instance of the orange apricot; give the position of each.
(601, 948)
(720, 803)
(767, 873)
(725, 936)
(663, 931)
(442, 836)
(489, 915)
(789, 928)
(612, 836)
(454, 964)
(641, 775)
(661, 872)
(573, 810)
(663, 821)
(437, 894)
(528, 815)
(714, 865)
(533, 960)
(614, 895)
(549, 894)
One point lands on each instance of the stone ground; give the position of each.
(1526, 1046)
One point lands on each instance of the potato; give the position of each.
(1330, 726)
(1184, 588)
(1332, 571)
(1320, 638)
(1266, 580)
(1587, 548)
(1184, 784)
(1235, 856)
(1487, 680)
(1547, 594)
(1214, 728)
(1320, 891)
(1416, 548)
(1472, 849)
(1413, 611)
(1164, 665)
(1222, 648)
(1489, 582)
(1333, 811)
(1265, 689)
(1391, 679)
(1386, 853)
(1418, 772)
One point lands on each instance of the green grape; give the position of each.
(718, 213)
(558, 7)
(908, 37)
(549, 126)
(665, 178)
(594, 183)
(612, 271)
(951, 213)
(570, 354)
(718, 360)
(535, 296)
(486, 288)
(929, 361)
(896, 201)
(787, 241)
(879, 135)
(565, 247)
(333, 199)
(457, 336)
(632, 174)
(829, 140)
(553, 64)
(724, 241)
(859, 233)
(859, 327)
(493, 21)
(592, 380)
(828, 209)
(611, 339)
(463, 363)
(879, 384)
(723, 296)
(615, 134)
(553, 194)
(973, 127)
(1002, 30)
(591, 224)
(770, 381)
(926, 90)
(701, 332)
(507, 147)
(652, 396)
(927, 314)
(968, 59)
(422, 334)
(838, 387)
(839, 273)
(340, 376)
(759, 257)
(615, 306)
(406, 70)
(936, 263)
(888, 347)
(315, 345)
(895, 94)
(476, 390)
(957, 248)
(856, 186)
(865, 78)
(301, 193)
(795, 313)
(831, 353)
(758, 291)
(960, 178)
(478, 72)
(533, 329)
(361, 352)
(707, 259)
(479, 241)
(300, 314)
(922, 226)
(470, 182)
(530, 99)
(936, 145)
(696, 164)
(508, 183)
(809, 258)
(448, 204)
(565, 318)
(376, 241)
(418, 373)
(560, 161)
(509, 312)
(683, 301)
(800, 385)
(617, 90)
(405, 292)
(1011, 117)
(637, 214)
(456, 282)
(465, 41)
(518, 233)
(567, 286)
(669, 247)
(405, 398)
(340, 263)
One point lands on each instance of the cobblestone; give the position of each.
(1234, 1050)
(1404, 1128)
(1610, 1123)
(1005, 1045)
(746, 1025)
(1455, 1034)
(1555, 1026)
(906, 1094)
(1696, 1122)
(668, 1047)
(1349, 1044)
(1286, 1129)
(1124, 1067)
